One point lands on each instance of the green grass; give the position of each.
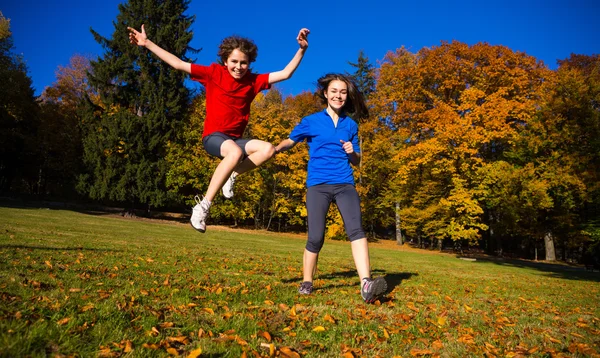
(76, 284)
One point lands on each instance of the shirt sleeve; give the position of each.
(261, 82)
(201, 73)
(301, 131)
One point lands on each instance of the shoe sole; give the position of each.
(199, 230)
(379, 287)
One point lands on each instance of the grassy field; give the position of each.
(87, 284)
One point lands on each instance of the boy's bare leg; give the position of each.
(232, 154)
(258, 152)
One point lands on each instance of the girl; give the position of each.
(332, 138)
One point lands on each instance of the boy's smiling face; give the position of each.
(237, 64)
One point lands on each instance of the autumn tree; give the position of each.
(290, 167)
(562, 145)
(143, 102)
(59, 137)
(458, 108)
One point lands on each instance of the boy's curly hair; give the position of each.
(243, 44)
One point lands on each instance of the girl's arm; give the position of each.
(285, 144)
(140, 39)
(287, 72)
(352, 155)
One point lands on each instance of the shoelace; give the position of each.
(198, 200)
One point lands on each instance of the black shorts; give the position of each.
(212, 143)
(318, 199)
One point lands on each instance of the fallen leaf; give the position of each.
(173, 352)
(195, 353)
(266, 335)
(63, 321)
(319, 329)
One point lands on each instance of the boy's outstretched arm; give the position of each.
(140, 39)
(287, 72)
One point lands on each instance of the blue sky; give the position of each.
(48, 33)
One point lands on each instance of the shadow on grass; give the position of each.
(548, 269)
(88, 209)
(77, 248)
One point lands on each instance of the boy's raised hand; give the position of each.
(303, 38)
(136, 37)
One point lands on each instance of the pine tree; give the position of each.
(364, 76)
(18, 118)
(142, 104)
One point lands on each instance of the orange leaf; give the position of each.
(319, 329)
(208, 310)
(173, 352)
(329, 318)
(195, 353)
(266, 335)
(128, 347)
(287, 352)
(420, 352)
(63, 321)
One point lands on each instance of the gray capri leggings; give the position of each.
(318, 199)
(212, 143)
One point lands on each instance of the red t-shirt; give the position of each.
(227, 99)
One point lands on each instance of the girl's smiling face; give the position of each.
(336, 94)
(237, 64)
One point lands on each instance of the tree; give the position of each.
(142, 105)
(457, 109)
(59, 135)
(562, 143)
(364, 75)
(18, 119)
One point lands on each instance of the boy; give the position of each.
(230, 89)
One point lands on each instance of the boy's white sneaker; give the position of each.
(199, 214)
(228, 187)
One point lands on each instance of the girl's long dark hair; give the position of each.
(355, 105)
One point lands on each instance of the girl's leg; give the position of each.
(309, 265)
(360, 253)
(348, 203)
(318, 199)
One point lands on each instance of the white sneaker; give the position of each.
(228, 187)
(199, 214)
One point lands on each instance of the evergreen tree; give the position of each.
(364, 76)
(142, 104)
(18, 118)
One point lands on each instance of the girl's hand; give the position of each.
(303, 38)
(136, 37)
(347, 146)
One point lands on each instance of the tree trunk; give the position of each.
(399, 240)
(549, 244)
